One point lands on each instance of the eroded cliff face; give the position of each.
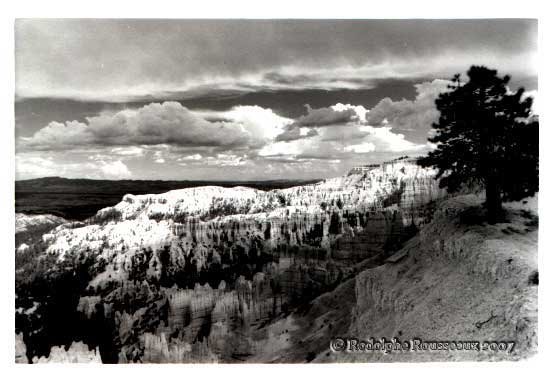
(190, 275)
(28, 233)
(459, 279)
(462, 279)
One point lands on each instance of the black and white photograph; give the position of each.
(275, 191)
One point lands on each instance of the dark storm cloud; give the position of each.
(325, 80)
(117, 59)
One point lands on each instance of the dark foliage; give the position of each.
(267, 232)
(57, 290)
(486, 136)
(335, 224)
(395, 197)
(533, 279)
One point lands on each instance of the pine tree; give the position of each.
(486, 135)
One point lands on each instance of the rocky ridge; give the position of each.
(190, 274)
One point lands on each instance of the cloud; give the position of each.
(386, 140)
(337, 141)
(300, 79)
(159, 123)
(81, 59)
(193, 157)
(327, 116)
(243, 142)
(360, 148)
(414, 117)
(306, 125)
(114, 170)
(157, 139)
(172, 141)
(228, 160)
(128, 151)
(37, 166)
(294, 132)
(258, 121)
(338, 131)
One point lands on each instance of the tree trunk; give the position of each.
(493, 202)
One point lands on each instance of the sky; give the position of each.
(242, 99)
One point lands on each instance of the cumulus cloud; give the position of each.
(258, 121)
(114, 170)
(414, 117)
(155, 123)
(341, 142)
(168, 125)
(306, 125)
(386, 140)
(341, 131)
(245, 141)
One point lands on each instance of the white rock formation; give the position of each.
(78, 353)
